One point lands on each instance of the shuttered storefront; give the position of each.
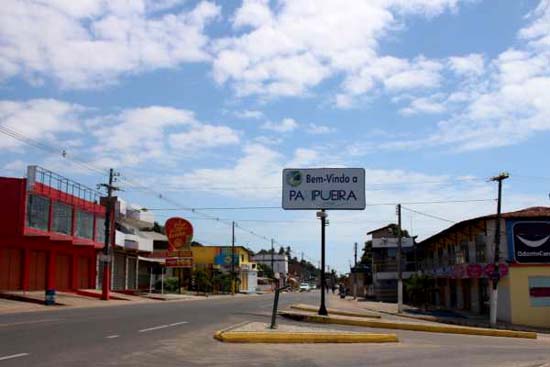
(119, 274)
(11, 265)
(62, 272)
(132, 261)
(37, 270)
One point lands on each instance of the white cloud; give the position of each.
(203, 137)
(506, 103)
(38, 119)
(286, 125)
(289, 48)
(317, 129)
(93, 43)
(250, 114)
(423, 105)
(472, 64)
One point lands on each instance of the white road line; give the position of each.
(112, 336)
(162, 327)
(13, 356)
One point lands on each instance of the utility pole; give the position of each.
(272, 258)
(323, 215)
(354, 272)
(106, 258)
(399, 267)
(495, 277)
(233, 258)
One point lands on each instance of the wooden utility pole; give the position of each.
(399, 267)
(495, 276)
(107, 257)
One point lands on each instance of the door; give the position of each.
(467, 294)
(132, 262)
(83, 280)
(119, 273)
(10, 269)
(62, 272)
(37, 270)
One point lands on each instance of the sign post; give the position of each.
(322, 189)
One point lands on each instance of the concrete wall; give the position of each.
(523, 313)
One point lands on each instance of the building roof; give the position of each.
(381, 228)
(532, 212)
(155, 236)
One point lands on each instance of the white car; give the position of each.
(304, 287)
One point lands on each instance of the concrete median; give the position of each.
(334, 311)
(400, 325)
(259, 333)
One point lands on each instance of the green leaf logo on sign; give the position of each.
(294, 178)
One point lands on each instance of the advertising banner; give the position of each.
(179, 232)
(530, 241)
(324, 188)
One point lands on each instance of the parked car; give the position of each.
(305, 287)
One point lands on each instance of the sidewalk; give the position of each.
(410, 312)
(19, 301)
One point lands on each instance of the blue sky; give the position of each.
(206, 102)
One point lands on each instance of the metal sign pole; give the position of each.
(323, 309)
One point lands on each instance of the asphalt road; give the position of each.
(180, 334)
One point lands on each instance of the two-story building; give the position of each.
(461, 257)
(220, 258)
(50, 230)
(384, 262)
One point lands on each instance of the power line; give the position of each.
(429, 215)
(279, 207)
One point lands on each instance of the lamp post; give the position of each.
(323, 216)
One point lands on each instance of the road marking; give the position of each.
(13, 356)
(28, 322)
(162, 327)
(112, 336)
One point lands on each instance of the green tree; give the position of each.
(265, 270)
(202, 281)
(419, 288)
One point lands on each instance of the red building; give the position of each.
(50, 230)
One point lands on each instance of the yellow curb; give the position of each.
(335, 311)
(411, 326)
(302, 337)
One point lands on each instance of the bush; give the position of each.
(171, 284)
(202, 281)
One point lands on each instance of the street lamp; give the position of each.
(322, 214)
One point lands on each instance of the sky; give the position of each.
(201, 104)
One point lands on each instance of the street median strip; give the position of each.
(264, 335)
(334, 311)
(399, 325)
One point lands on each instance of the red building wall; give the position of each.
(32, 259)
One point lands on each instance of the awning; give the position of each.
(151, 259)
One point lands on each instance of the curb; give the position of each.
(334, 311)
(383, 324)
(230, 336)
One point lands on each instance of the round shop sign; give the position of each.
(179, 232)
(474, 270)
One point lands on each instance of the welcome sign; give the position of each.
(324, 188)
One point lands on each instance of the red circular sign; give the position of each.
(179, 232)
(474, 270)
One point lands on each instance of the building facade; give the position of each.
(219, 258)
(461, 257)
(50, 230)
(277, 262)
(384, 262)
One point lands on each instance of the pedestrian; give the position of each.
(333, 288)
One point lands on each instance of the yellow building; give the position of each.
(219, 258)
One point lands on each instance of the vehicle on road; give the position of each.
(305, 287)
